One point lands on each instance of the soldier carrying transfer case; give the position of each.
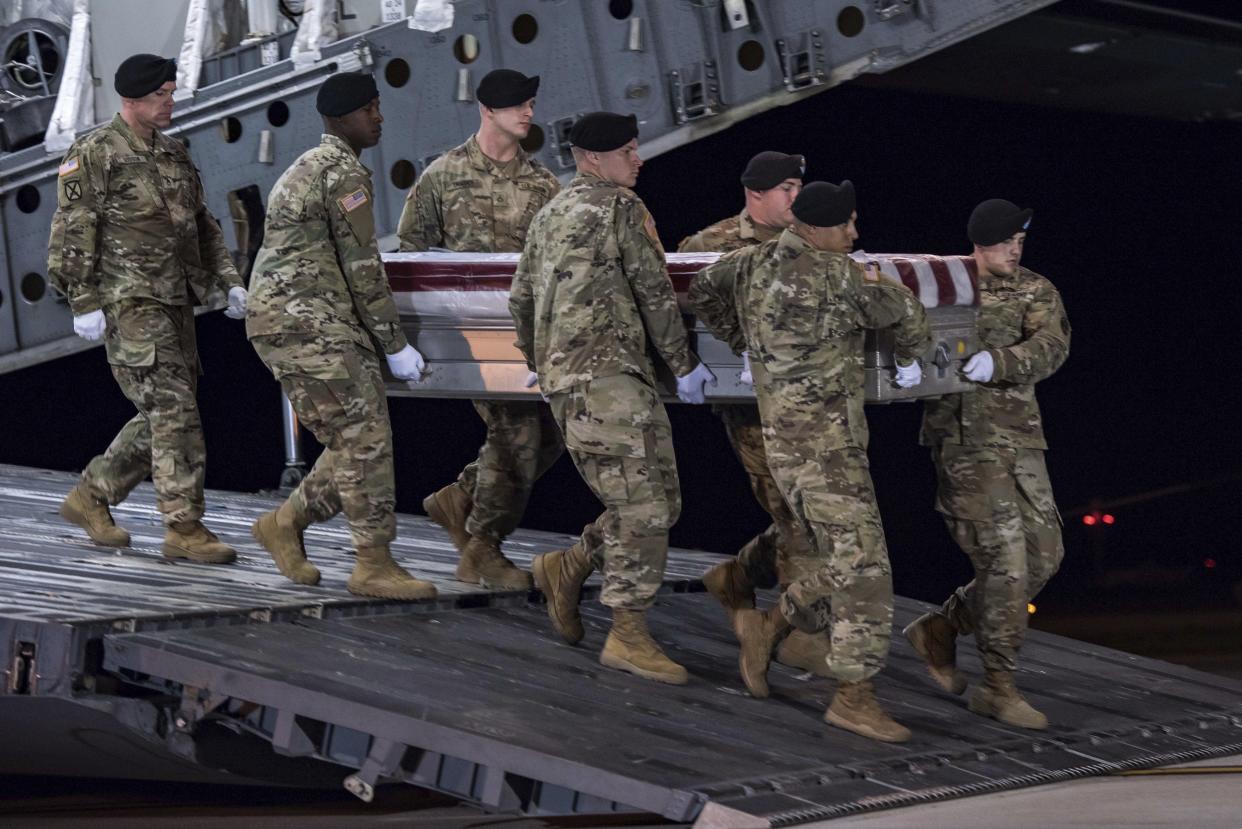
(780, 553)
(320, 315)
(803, 308)
(590, 291)
(133, 247)
(988, 448)
(481, 196)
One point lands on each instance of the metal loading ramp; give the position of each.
(488, 704)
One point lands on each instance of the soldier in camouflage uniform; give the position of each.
(781, 552)
(590, 291)
(320, 315)
(133, 247)
(988, 448)
(803, 306)
(481, 196)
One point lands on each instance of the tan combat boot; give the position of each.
(376, 574)
(481, 563)
(728, 583)
(934, 639)
(449, 507)
(191, 540)
(806, 652)
(560, 576)
(629, 647)
(758, 632)
(91, 514)
(855, 708)
(997, 697)
(280, 533)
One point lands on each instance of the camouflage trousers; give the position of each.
(782, 552)
(618, 435)
(998, 506)
(849, 591)
(154, 357)
(522, 443)
(337, 391)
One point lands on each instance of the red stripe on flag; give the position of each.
(944, 281)
(905, 269)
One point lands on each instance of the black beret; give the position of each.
(502, 88)
(344, 92)
(995, 220)
(140, 75)
(823, 204)
(768, 169)
(600, 132)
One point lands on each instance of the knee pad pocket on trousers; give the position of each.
(612, 457)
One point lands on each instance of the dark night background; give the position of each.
(1136, 222)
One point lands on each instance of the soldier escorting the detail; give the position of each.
(783, 551)
(481, 196)
(320, 316)
(994, 492)
(133, 248)
(590, 292)
(803, 307)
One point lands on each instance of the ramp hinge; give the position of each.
(196, 703)
(23, 677)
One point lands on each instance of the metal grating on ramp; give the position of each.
(59, 592)
(489, 704)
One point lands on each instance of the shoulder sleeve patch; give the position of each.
(68, 166)
(649, 225)
(352, 201)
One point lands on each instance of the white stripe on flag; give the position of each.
(961, 280)
(929, 291)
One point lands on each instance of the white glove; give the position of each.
(407, 364)
(909, 376)
(237, 304)
(532, 380)
(690, 387)
(746, 377)
(979, 367)
(90, 326)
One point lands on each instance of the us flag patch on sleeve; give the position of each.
(353, 201)
(70, 165)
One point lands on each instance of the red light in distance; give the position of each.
(1089, 520)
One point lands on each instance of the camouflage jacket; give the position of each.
(464, 201)
(131, 223)
(592, 287)
(319, 271)
(733, 233)
(1023, 325)
(803, 314)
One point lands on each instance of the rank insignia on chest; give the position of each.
(68, 166)
(353, 200)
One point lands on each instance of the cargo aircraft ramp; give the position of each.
(120, 663)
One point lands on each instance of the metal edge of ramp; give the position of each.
(665, 749)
